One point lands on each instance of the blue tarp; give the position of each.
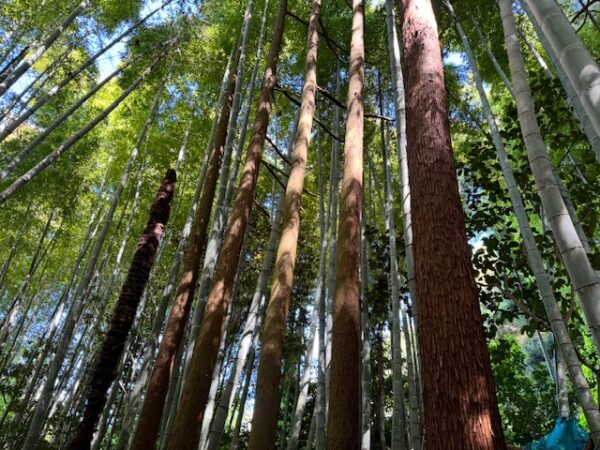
(566, 435)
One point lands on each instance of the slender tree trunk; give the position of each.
(343, 422)
(216, 378)
(135, 400)
(246, 387)
(250, 331)
(13, 311)
(366, 373)
(399, 441)
(36, 84)
(149, 421)
(562, 390)
(224, 190)
(39, 51)
(571, 249)
(455, 364)
(414, 422)
(266, 408)
(195, 389)
(320, 442)
(67, 144)
(125, 311)
(304, 384)
(538, 57)
(414, 403)
(380, 400)
(15, 243)
(573, 57)
(13, 124)
(36, 426)
(534, 256)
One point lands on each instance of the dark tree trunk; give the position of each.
(460, 410)
(150, 416)
(112, 349)
(343, 424)
(188, 420)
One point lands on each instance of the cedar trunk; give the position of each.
(266, 408)
(188, 420)
(150, 416)
(456, 371)
(105, 371)
(343, 424)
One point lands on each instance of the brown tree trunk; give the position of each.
(460, 410)
(112, 349)
(149, 421)
(266, 406)
(188, 420)
(343, 422)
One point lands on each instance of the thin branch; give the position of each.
(584, 10)
(523, 307)
(329, 96)
(262, 209)
(296, 102)
(272, 169)
(279, 152)
(269, 167)
(330, 42)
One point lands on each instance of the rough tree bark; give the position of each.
(149, 421)
(343, 421)
(565, 346)
(196, 385)
(266, 408)
(455, 364)
(83, 288)
(114, 343)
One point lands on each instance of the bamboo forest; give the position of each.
(300, 224)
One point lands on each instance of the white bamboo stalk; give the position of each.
(414, 427)
(582, 275)
(67, 144)
(542, 279)
(302, 397)
(40, 50)
(366, 384)
(572, 98)
(573, 57)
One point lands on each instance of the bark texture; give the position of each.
(266, 408)
(456, 371)
(125, 311)
(186, 428)
(343, 421)
(565, 346)
(149, 421)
